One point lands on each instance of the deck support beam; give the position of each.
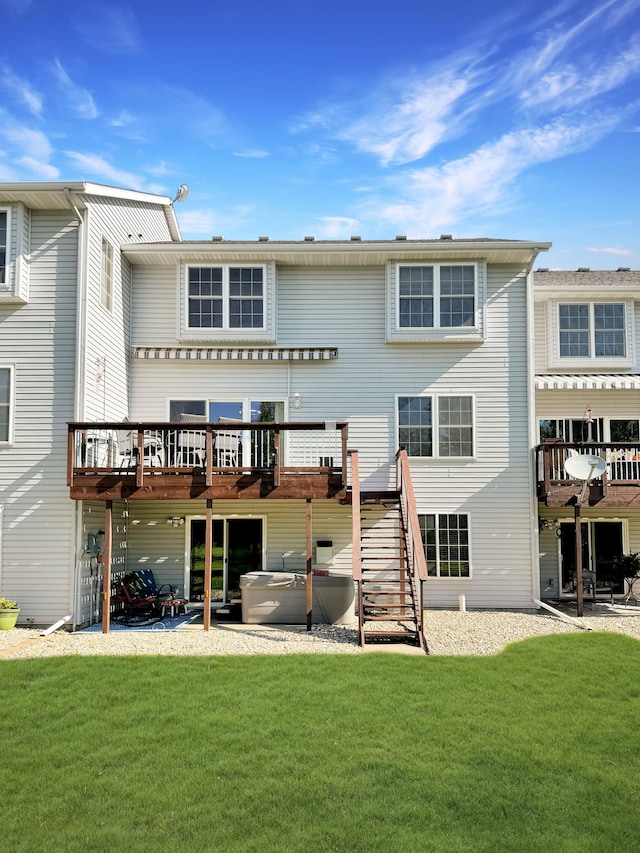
(309, 585)
(208, 545)
(106, 567)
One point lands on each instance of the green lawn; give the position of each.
(535, 749)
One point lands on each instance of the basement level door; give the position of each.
(601, 543)
(237, 548)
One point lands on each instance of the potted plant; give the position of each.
(9, 612)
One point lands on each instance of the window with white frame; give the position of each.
(4, 245)
(6, 404)
(106, 275)
(445, 537)
(592, 330)
(436, 296)
(226, 297)
(436, 425)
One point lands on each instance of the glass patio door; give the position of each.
(602, 541)
(237, 548)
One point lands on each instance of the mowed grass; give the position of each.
(535, 749)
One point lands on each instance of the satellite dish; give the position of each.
(181, 193)
(585, 467)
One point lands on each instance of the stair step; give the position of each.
(391, 634)
(387, 618)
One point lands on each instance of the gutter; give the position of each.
(80, 359)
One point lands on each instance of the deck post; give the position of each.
(309, 585)
(208, 544)
(106, 567)
(578, 531)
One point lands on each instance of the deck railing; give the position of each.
(622, 463)
(415, 547)
(141, 448)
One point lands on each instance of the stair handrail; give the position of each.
(355, 516)
(408, 502)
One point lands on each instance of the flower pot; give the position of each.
(8, 618)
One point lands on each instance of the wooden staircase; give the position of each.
(389, 604)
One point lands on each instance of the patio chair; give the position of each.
(128, 449)
(139, 593)
(191, 443)
(228, 444)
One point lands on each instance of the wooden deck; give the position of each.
(619, 486)
(166, 461)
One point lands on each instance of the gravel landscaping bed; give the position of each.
(448, 632)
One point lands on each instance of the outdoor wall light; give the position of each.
(296, 400)
(175, 521)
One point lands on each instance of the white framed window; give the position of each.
(226, 297)
(436, 425)
(4, 248)
(6, 404)
(106, 274)
(440, 296)
(591, 333)
(446, 541)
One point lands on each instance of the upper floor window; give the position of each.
(4, 237)
(592, 330)
(106, 275)
(436, 425)
(436, 296)
(6, 403)
(226, 297)
(446, 544)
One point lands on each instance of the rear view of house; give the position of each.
(235, 406)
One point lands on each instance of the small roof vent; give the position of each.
(356, 238)
(309, 239)
(263, 239)
(542, 269)
(623, 269)
(217, 238)
(584, 269)
(401, 237)
(446, 236)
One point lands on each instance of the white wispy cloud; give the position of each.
(610, 251)
(112, 29)
(205, 222)
(95, 165)
(481, 182)
(77, 98)
(408, 130)
(252, 154)
(30, 150)
(336, 227)
(22, 90)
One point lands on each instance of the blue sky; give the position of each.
(341, 117)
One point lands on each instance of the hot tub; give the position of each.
(281, 597)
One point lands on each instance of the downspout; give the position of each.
(531, 430)
(79, 395)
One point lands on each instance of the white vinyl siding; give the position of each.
(39, 340)
(346, 308)
(107, 355)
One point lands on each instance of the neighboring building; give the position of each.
(313, 347)
(587, 362)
